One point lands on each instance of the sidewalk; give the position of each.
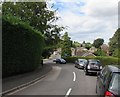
(19, 81)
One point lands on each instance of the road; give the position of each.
(64, 79)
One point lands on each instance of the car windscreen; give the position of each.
(62, 59)
(81, 61)
(115, 83)
(94, 63)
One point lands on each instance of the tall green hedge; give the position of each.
(105, 60)
(22, 46)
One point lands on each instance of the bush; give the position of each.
(22, 46)
(104, 60)
(100, 52)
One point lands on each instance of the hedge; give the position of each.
(21, 46)
(104, 60)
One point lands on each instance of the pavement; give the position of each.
(16, 82)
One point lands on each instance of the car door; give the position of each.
(100, 82)
(104, 83)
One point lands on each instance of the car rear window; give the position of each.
(115, 83)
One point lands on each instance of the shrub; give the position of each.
(100, 52)
(22, 46)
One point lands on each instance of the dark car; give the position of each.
(108, 81)
(93, 66)
(60, 60)
(80, 63)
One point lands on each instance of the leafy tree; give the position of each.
(116, 52)
(100, 52)
(98, 42)
(88, 45)
(83, 44)
(114, 44)
(66, 45)
(37, 15)
(76, 44)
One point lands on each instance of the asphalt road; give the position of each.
(64, 79)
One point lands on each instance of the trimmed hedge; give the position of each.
(104, 60)
(22, 46)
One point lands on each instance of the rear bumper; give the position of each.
(62, 62)
(93, 71)
(79, 66)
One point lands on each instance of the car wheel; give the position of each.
(84, 69)
(77, 66)
(86, 73)
(96, 89)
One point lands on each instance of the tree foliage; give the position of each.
(88, 45)
(100, 52)
(37, 15)
(98, 42)
(114, 44)
(75, 44)
(66, 45)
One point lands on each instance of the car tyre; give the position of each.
(86, 73)
(96, 89)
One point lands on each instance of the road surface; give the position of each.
(64, 79)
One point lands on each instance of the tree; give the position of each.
(83, 44)
(116, 52)
(100, 52)
(76, 44)
(98, 42)
(88, 45)
(37, 15)
(66, 45)
(114, 44)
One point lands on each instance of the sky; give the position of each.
(87, 20)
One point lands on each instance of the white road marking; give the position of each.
(68, 92)
(74, 76)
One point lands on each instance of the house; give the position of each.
(105, 48)
(92, 49)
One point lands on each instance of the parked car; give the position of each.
(80, 63)
(108, 81)
(60, 60)
(93, 66)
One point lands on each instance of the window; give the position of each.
(101, 73)
(115, 83)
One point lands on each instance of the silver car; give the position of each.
(80, 63)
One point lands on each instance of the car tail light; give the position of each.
(109, 94)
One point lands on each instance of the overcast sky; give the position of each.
(88, 20)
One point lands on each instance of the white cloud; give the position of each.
(101, 7)
(90, 20)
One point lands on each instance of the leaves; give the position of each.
(115, 44)
(66, 45)
(98, 42)
(37, 15)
